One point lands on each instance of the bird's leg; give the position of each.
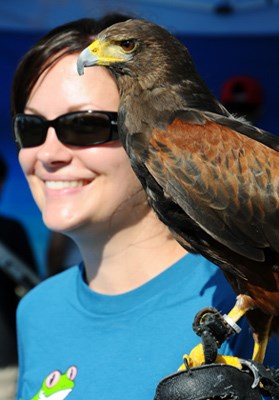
(197, 355)
(210, 335)
(196, 358)
(261, 344)
(238, 310)
(243, 305)
(214, 329)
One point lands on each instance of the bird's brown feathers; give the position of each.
(225, 174)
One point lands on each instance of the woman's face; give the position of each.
(77, 186)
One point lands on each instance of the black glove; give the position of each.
(208, 382)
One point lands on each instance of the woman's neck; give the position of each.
(119, 262)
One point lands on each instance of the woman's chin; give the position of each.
(60, 220)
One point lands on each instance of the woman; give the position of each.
(115, 325)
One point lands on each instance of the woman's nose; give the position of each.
(52, 151)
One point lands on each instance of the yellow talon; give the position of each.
(230, 360)
(196, 358)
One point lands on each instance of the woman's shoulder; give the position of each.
(50, 290)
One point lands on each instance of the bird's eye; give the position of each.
(128, 45)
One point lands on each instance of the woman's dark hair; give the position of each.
(69, 38)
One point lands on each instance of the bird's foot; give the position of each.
(214, 329)
(196, 358)
(210, 321)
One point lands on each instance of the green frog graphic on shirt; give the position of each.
(57, 386)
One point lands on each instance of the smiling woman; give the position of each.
(133, 298)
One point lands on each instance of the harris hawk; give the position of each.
(211, 177)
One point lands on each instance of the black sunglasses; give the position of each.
(80, 128)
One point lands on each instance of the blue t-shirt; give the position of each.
(80, 344)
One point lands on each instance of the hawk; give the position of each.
(211, 177)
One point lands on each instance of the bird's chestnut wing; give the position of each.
(225, 181)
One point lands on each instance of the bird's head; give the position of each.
(138, 49)
(147, 60)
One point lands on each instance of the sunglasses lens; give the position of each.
(29, 130)
(84, 129)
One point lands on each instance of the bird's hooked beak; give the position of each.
(100, 52)
(86, 59)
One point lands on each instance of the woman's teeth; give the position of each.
(64, 184)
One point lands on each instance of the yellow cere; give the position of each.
(106, 52)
